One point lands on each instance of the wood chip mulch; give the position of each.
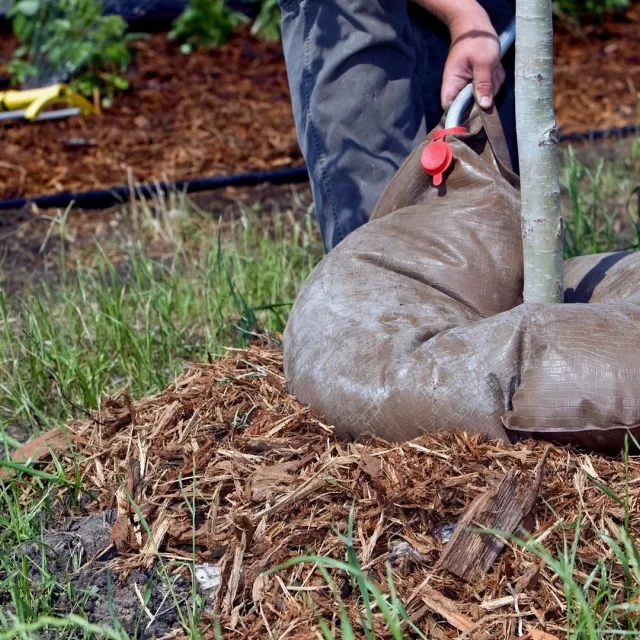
(203, 114)
(272, 482)
(597, 74)
(228, 111)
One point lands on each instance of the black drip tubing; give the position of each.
(599, 134)
(103, 198)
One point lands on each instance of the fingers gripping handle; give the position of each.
(437, 156)
(462, 100)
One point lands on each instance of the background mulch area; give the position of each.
(228, 110)
(185, 116)
(597, 74)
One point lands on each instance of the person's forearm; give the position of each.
(452, 12)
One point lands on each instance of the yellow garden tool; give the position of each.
(32, 104)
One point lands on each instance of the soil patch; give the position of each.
(228, 111)
(76, 554)
(273, 483)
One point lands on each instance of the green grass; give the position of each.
(98, 330)
(601, 202)
(132, 323)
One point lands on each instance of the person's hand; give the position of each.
(474, 56)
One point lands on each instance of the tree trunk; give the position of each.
(537, 149)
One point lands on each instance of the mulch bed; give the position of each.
(597, 74)
(184, 116)
(228, 111)
(273, 482)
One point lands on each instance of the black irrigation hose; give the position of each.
(599, 134)
(103, 198)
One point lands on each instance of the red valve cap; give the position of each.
(436, 159)
(437, 156)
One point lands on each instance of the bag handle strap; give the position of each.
(495, 134)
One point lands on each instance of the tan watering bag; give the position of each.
(415, 321)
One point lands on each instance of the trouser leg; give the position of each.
(365, 79)
(356, 101)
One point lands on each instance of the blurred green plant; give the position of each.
(267, 22)
(205, 24)
(577, 11)
(69, 40)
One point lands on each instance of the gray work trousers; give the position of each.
(365, 78)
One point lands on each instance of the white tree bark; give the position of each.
(538, 154)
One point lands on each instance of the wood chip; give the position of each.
(446, 608)
(122, 534)
(234, 578)
(536, 634)
(40, 448)
(528, 579)
(469, 554)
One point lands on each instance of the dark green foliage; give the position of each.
(209, 23)
(205, 23)
(69, 40)
(267, 23)
(580, 10)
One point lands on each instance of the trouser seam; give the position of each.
(315, 137)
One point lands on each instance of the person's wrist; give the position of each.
(474, 19)
(456, 14)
